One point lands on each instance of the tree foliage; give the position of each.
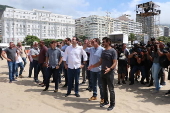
(47, 41)
(82, 38)
(29, 39)
(164, 39)
(132, 37)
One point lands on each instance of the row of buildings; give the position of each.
(100, 26)
(16, 24)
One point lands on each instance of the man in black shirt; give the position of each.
(108, 62)
(138, 61)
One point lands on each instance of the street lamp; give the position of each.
(108, 21)
(13, 26)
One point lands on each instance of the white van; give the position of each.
(4, 45)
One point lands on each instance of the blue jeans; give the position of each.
(43, 70)
(21, 68)
(96, 76)
(25, 61)
(133, 71)
(155, 71)
(30, 69)
(73, 74)
(35, 66)
(11, 67)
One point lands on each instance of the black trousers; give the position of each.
(108, 81)
(43, 70)
(66, 76)
(54, 72)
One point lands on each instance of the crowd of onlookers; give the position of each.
(97, 62)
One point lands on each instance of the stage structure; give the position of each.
(149, 15)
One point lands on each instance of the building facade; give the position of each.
(148, 25)
(92, 27)
(17, 24)
(166, 31)
(0, 31)
(100, 26)
(161, 30)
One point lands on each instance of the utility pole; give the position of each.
(13, 26)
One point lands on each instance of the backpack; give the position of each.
(164, 62)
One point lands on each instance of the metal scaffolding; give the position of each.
(149, 15)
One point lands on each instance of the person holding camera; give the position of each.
(138, 63)
(123, 53)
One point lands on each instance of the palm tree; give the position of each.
(132, 37)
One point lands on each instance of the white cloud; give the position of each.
(67, 7)
(78, 8)
(133, 3)
(164, 16)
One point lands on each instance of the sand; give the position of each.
(25, 96)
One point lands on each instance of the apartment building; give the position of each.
(99, 26)
(17, 24)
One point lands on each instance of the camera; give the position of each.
(153, 39)
(167, 49)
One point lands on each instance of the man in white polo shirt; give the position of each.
(74, 54)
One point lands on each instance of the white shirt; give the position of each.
(19, 59)
(29, 54)
(74, 55)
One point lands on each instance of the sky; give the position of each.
(84, 8)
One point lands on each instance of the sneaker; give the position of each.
(90, 90)
(103, 104)
(163, 83)
(65, 86)
(101, 101)
(16, 77)
(55, 91)
(150, 85)
(110, 108)
(126, 78)
(160, 86)
(167, 92)
(131, 83)
(87, 88)
(41, 84)
(77, 95)
(83, 82)
(36, 81)
(142, 82)
(123, 82)
(14, 80)
(20, 76)
(119, 83)
(66, 95)
(92, 98)
(45, 89)
(10, 81)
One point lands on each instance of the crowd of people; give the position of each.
(96, 61)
